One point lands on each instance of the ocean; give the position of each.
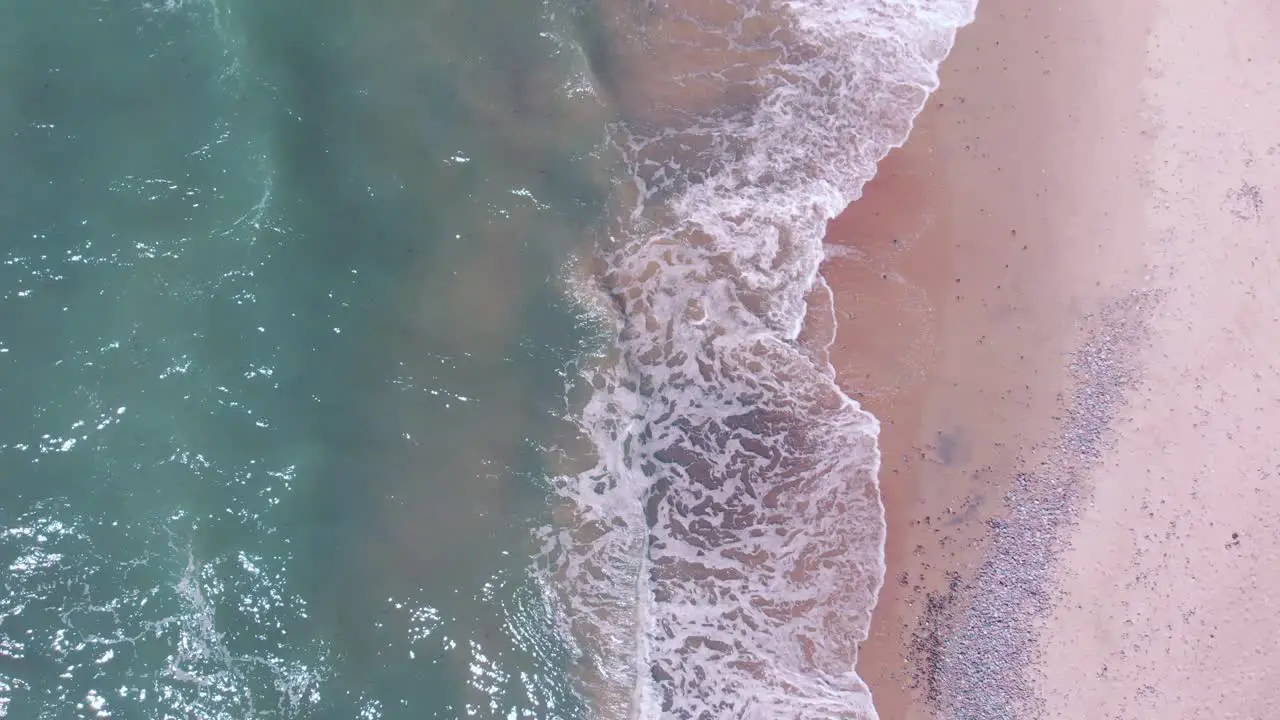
(438, 359)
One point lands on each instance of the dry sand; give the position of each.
(1059, 299)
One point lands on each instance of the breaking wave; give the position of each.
(722, 556)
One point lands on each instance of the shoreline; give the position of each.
(962, 219)
(1004, 280)
(974, 201)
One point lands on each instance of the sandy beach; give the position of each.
(1056, 297)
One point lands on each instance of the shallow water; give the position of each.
(437, 359)
(727, 547)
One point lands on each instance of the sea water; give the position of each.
(281, 342)
(725, 549)
(437, 359)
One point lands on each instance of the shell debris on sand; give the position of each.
(975, 646)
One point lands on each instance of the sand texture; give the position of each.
(1059, 298)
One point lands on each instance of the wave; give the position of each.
(722, 557)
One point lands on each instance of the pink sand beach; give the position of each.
(1068, 274)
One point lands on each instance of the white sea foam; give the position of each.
(726, 550)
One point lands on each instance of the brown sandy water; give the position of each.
(724, 554)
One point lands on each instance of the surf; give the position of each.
(721, 556)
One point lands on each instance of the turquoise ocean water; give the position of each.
(438, 359)
(280, 340)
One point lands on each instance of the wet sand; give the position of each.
(1077, 226)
